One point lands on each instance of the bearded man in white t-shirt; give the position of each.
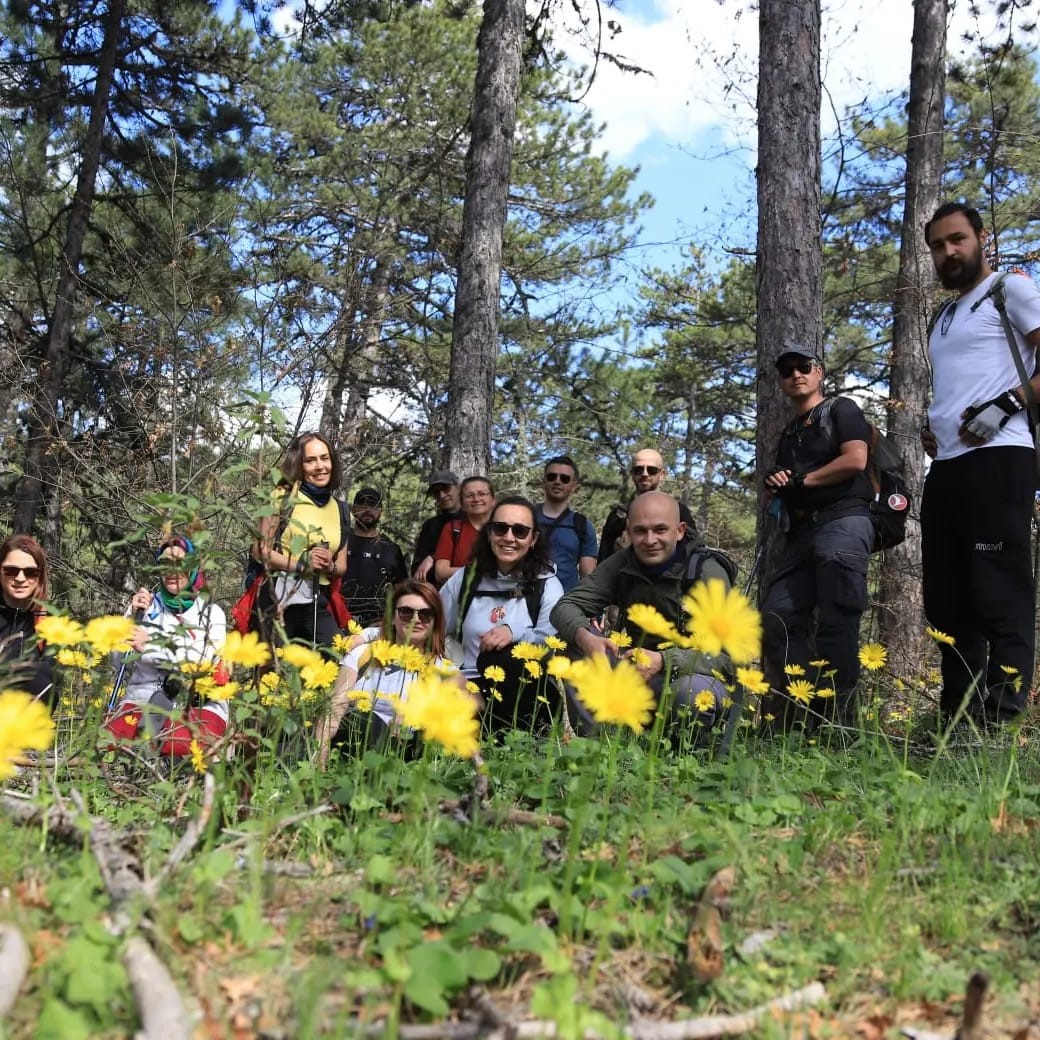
(978, 497)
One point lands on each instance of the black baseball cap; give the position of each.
(368, 496)
(441, 477)
(795, 350)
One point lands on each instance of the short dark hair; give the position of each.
(563, 460)
(948, 209)
(531, 566)
(477, 480)
(292, 461)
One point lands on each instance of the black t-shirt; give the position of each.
(429, 535)
(374, 565)
(805, 445)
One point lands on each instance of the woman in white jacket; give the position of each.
(503, 597)
(176, 646)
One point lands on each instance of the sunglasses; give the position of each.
(650, 471)
(788, 370)
(562, 478)
(421, 614)
(501, 528)
(32, 573)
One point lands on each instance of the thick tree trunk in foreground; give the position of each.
(43, 422)
(474, 345)
(789, 246)
(901, 610)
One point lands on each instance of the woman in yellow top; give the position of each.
(303, 545)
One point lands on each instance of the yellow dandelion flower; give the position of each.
(493, 673)
(320, 676)
(55, 630)
(533, 668)
(443, 668)
(496, 694)
(873, 656)
(824, 692)
(269, 682)
(25, 724)
(110, 633)
(558, 667)
(132, 720)
(247, 650)
(752, 680)
(198, 759)
(555, 643)
(227, 691)
(794, 670)
(206, 688)
(820, 662)
(652, 622)
(341, 643)
(75, 658)
(722, 620)
(442, 713)
(195, 667)
(529, 652)
(615, 694)
(354, 628)
(298, 656)
(640, 657)
(704, 701)
(360, 699)
(801, 690)
(411, 658)
(939, 637)
(622, 640)
(472, 688)
(830, 674)
(383, 651)
(1008, 669)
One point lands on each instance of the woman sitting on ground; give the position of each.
(417, 621)
(304, 545)
(503, 597)
(179, 634)
(23, 579)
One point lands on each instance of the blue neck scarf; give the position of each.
(318, 495)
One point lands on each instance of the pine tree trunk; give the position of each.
(901, 613)
(474, 345)
(43, 421)
(789, 247)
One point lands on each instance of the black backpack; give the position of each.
(890, 505)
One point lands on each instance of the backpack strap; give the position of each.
(532, 592)
(999, 296)
(695, 565)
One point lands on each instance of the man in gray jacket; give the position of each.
(657, 568)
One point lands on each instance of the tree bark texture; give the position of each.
(789, 262)
(44, 418)
(474, 344)
(901, 612)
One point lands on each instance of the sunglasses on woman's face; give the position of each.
(10, 571)
(421, 614)
(501, 528)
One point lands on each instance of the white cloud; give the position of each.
(703, 55)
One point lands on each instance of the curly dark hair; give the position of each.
(292, 461)
(532, 565)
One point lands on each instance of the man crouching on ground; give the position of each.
(657, 569)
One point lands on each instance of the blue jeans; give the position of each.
(815, 601)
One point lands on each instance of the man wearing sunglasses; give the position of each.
(647, 472)
(572, 540)
(818, 591)
(977, 506)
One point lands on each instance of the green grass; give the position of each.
(886, 874)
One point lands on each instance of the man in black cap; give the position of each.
(444, 489)
(818, 592)
(374, 564)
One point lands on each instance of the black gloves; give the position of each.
(984, 419)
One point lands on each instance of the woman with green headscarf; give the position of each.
(173, 686)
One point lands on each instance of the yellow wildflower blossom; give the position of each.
(299, 656)
(269, 682)
(529, 652)
(76, 658)
(820, 662)
(533, 668)
(873, 656)
(615, 694)
(722, 620)
(110, 633)
(704, 701)
(341, 643)
(801, 690)
(56, 630)
(493, 673)
(794, 670)
(939, 637)
(558, 667)
(652, 622)
(752, 680)
(622, 640)
(198, 759)
(247, 650)
(320, 676)
(640, 657)
(442, 713)
(25, 724)
(555, 643)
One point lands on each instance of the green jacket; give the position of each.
(620, 581)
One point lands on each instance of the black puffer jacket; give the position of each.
(23, 665)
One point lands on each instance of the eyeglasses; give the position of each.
(32, 573)
(788, 370)
(563, 478)
(424, 615)
(500, 528)
(650, 471)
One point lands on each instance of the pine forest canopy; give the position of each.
(279, 219)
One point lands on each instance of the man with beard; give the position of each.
(374, 564)
(979, 493)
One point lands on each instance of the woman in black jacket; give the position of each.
(23, 581)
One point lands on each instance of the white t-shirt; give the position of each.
(971, 361)
(501, 607)
(383, 683)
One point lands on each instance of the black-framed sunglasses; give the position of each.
(423, 614)
(10, 571)
(562, 478)
(501, 528)
(789, 369)
(650, 471)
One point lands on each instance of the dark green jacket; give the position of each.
(619, 582)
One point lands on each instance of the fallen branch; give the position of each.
(14, 965)
(971, 1016)
(684, 1029)
(163, 1014)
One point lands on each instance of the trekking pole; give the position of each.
(736, 709)
(138, 617)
